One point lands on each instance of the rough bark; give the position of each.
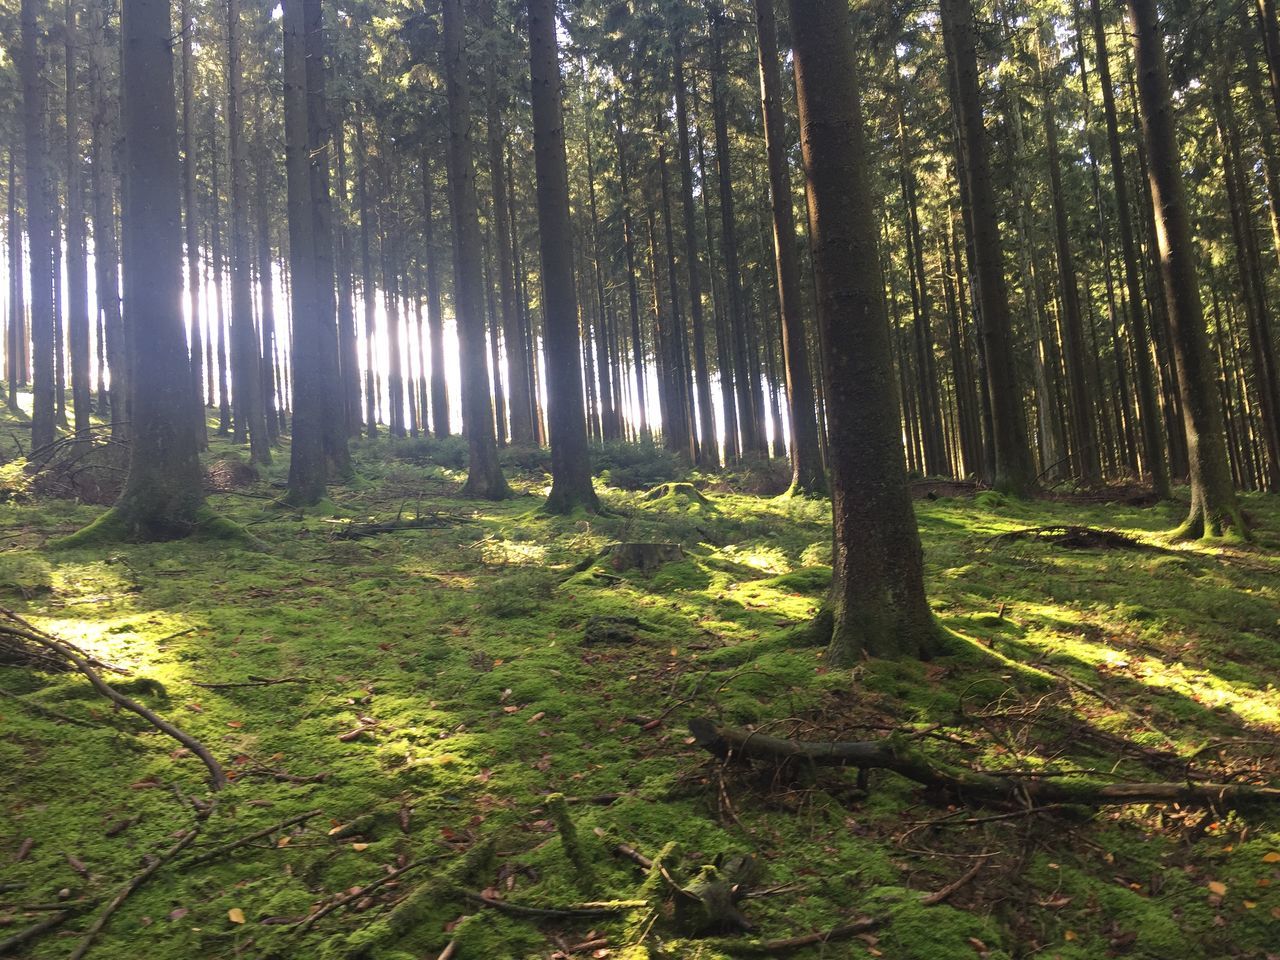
(1014, 468)
(484, 474)
(807, 474)
(1214, 508)
(571, 486)
(878, 600)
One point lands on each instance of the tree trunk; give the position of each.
(246, 377)
(39, 231)
(633, 288)
(308, 467)
(878, 598)
(15, 345)
(191, 228)
(77, 247)
(163, 496)
(368, 293)
(1014, 468)
(265, 343)
(571, 486)
(435, 319)
(1214, 508)
(347, 341)
(807, 474)
(1084, 452)
(484, 474)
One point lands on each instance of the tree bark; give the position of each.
(39, 232)
(191, 228)
(77, 247)
(1214, 508)
(807, 474)
(571, 486)
(484, 474)
(878, 599)
(1014, 468)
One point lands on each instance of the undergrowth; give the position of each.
(459, 654)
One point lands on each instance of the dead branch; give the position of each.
(962, 783)
(12, 943)
(219, 851)
(128, 889)
(217, 779)
(255, 682)
(434, 521)
(555, 913)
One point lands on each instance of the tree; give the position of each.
(163, 497)
(1214, 509)
(246, 377)
(484, 474)
(878, 598)
(571, 486)
(39, 233)
(807, 474)
(77, 252)
(1014, 469)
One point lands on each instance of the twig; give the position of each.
(45, 711)
(226, 848)
(940, 896)
(255, 682)
(310, 921)
(127, 891)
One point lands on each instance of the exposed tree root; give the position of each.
(963, 785)
(12, 624)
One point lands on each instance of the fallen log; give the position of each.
(435, 521)
(964, 785)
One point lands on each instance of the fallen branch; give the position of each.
(1074, 537)
(962, 783)
(128, 890)
(234, 845)
(45, 712)
(341, 901)
(217, 779)
(254, 682)
(555, 913)
(746, 948)
(10, 944)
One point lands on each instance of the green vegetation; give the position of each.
(491, 729)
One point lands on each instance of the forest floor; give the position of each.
(443, 683)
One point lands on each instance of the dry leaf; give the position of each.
(1217, 888)
(235, 915)
(359, 846)
(1272, 857)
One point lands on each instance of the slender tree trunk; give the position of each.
(368, 293)
(246, 377)
(308, 462)
(191, 229)
(751, 433)
(633, 288)
(435, 317)
(1014, 468)
(77, 245)
(484, 474)
(807, 474)
(1214, 508)
(215, 251)
(265, 343)
(39, 231)
(1085, 452)
(878, 597)
(571, 486)
(16, 346)
(347, 340)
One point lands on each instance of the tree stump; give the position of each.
(686, 491)
(645, 557)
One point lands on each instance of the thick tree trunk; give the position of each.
(246, 375)
(1214, 508)
(807, 474)
(878, 598)
(571, 486)
(163, 496)
(484, 474)
(1014, 468)
(39, 230)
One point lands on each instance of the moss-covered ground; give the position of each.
(443, 689)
